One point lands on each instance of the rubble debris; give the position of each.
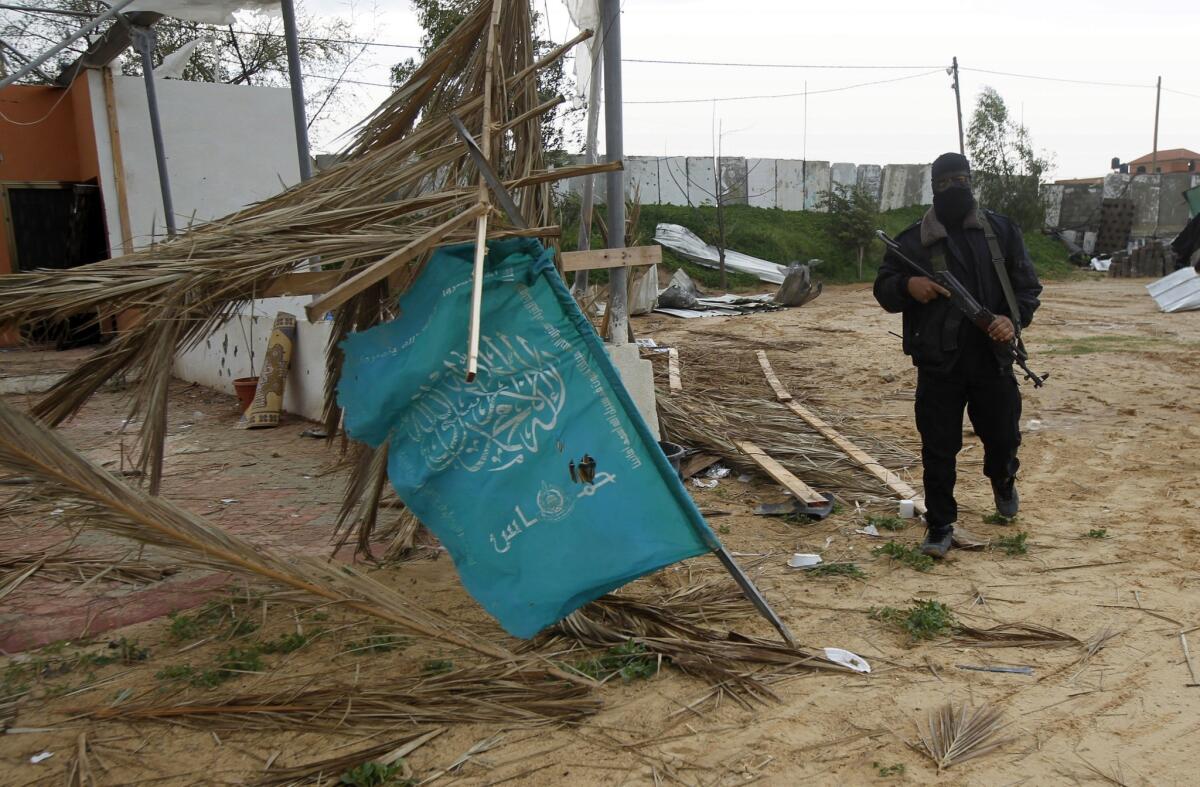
(686, 244)
(797, 288)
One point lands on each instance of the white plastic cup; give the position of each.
(907, 509)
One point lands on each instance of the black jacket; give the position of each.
(935, 333)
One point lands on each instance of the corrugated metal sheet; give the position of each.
(684, 242)
(1177, 292)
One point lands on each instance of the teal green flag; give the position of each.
(539, 477)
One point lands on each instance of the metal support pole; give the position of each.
(296, 80)
(614, 143)
(143, 41)
(579, 286)
(958, 108)
(66, 42)
(1157, 101)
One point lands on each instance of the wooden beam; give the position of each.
(611, 258)
(379, 271)
(781, 393)
(782, 476)
(118, 160)
(673, 369)
(303, 283)
(864, 460)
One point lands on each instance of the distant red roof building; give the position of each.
(1173, 160)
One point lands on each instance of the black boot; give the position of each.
(937, 541)
(1008, 502)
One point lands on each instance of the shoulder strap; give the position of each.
(1001, 267)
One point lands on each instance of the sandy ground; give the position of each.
(1111, 445)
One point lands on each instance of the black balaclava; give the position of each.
(953, 204)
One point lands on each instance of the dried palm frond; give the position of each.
(1014, 635)
(509, 695)
(97, 500)
(329, 769)
(79, 772)
(58, 565)
(1098, 642)
(735, 664)
(955, 735)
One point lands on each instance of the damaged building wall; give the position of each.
(1159, 207)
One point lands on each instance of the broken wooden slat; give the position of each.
(673, 370)
(780, 392)
(872, 466)
(697, 463)
(378, 271)
(302, 283)
(611, 258)
(784, 477)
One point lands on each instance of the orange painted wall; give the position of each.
(60, 146)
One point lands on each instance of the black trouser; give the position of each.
(993, 403)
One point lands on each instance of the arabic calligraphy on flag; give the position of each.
(538, 476)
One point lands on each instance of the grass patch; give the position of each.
(924, 620)
(287, 643)
(892, 523)
(909, 556)
(230, 664)
(1014, 544)
(1101, 532)
(836, 570)
(438, 667)
(379, 641)
(723, 530)
(375, 774)
(996, 518)
(886, 771)
(630, 660)
(209, 618)
(1106, 343)
(784, 236)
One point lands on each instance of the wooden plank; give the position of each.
(802, 491)
(673, 369)
(864, 460)
(303, 283)
(781, 393)
(118, 160)
(611, 258)
(379, 271)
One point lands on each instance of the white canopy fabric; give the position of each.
(210, 12)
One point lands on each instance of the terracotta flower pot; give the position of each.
(245, 387)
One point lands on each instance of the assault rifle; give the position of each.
(962, 300)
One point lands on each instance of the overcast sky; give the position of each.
(910, 121)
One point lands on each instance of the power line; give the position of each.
(1181, 92)
(1056, 79)
(813, 66)
(785, 95)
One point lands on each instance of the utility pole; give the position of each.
(719, 196)
(1157, 101)
(296, 79)
(962, 149)
(614, 144)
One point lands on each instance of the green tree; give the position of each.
(1006, 169)
(438, 18)
(853, 217)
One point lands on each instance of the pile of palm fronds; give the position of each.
(323, 771)
(955, 735)
(405, 178)
(680, 629)
(57, 564)
(494, 693)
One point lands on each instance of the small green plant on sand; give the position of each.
(1097, 533)
(906, 555)
(438, 667)
(892, 523)
(836, 570)
(631, 660)
(286, 643)
(723, 530)
(924, 620)
(1014, 544)
(889, 770)
(375, 774)
(996, 518)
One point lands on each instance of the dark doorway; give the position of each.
(57, 226)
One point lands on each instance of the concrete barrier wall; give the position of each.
(787, 184)
(1159, 208)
